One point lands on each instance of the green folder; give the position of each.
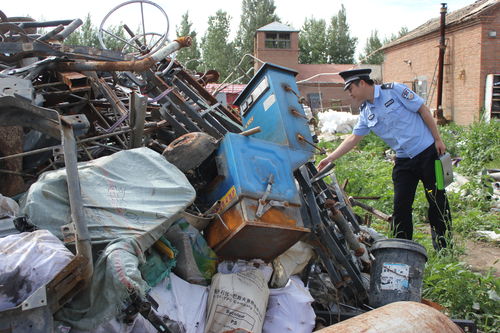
(444, 171)
(438, 167)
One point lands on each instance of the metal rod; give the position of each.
(117, 37)
(251, 131)
(45, 24)
(93, 108)
(51, 33)
(22, 174)
(83, 243)
(106, 146)
(143, 25)
(69, 29)
(41, 150)
(442, 48)
(345, 229)
(301, 138)
(371, 210)
(133, 65)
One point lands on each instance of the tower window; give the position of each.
(277, 40)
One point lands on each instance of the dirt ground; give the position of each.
(481, 256)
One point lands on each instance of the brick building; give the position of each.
(319, 83)
(472, 53)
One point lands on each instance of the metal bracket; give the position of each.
(265, 205)
(78, 122)
(68, 231)
(209, 109)
(36, 300)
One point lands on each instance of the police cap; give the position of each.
(355, 74)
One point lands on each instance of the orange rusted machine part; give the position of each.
(132, 65)
(401, 317)
(239, 234)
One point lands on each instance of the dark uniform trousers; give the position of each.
(406, 174)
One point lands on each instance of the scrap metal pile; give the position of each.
(82, 134)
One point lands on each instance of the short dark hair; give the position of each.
(370, 82)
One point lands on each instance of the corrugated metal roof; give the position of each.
(277, 27)
(453, 18)
(227, 88)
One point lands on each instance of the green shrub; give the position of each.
(479, 147)
(465, 294)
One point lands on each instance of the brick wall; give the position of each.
(329, 92)
(469, 56)
(282, 57)
(490, 52)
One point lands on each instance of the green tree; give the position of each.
(341, 46)
(87, 35)
(218, 52)
(402, 31)
(188, 56)
(370, 54)
(313, 42)
(254, 14)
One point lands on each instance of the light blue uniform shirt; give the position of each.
(394, 117)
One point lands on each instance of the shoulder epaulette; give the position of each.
(362, 106)
(387, 85)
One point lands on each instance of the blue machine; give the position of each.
(271, 101)
(256, 172)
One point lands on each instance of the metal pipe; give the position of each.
(371, 210)
(149, 127)
(69, 29)
(301, 138)
(132, 65)
(41, 150)
(51, 33)
(82, 236)
(45, 24)
(251, 131)
(442, 48)
(343, 225)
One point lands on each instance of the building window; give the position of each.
(420, 87)
(278, 40)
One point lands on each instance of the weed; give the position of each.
(465, 294)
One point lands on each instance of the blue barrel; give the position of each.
(397, 271)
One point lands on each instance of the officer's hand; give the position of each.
(440, 147)
(323, 163)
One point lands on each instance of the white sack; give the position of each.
(127, 194)
(229, 267)
(29, 261)
(8, 207)
(289, 309)
(182, 302)
(237, 300)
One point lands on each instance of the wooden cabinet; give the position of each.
(492, 97)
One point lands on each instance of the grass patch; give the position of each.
(448, 281)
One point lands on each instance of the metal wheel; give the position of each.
(135, 46)
(138, 44)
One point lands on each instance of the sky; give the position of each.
(363, 16)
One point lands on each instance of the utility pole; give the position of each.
(442, 48)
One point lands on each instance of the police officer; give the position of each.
(399, 117)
